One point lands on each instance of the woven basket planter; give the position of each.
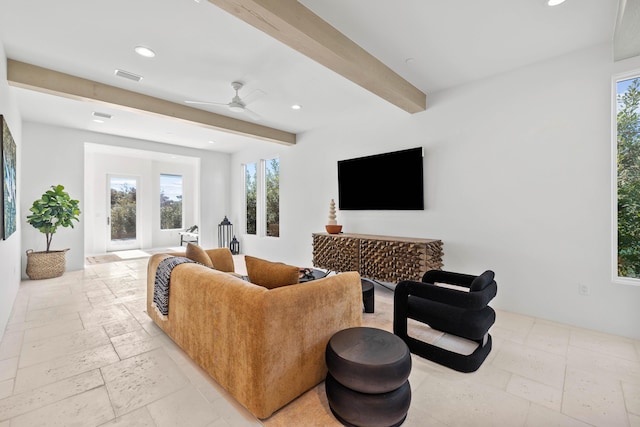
(46, 265)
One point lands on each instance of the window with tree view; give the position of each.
(251, 197)
(262, 197)
(272, 202)
(628, 177)
(170, 202)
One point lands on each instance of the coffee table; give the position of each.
(368, 301)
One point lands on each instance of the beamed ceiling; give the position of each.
(335, 58)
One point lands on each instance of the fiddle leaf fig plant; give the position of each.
(54, 209)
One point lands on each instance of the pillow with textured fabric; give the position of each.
(222, 259)
(270, 274)
(482, 281)
(197, 254)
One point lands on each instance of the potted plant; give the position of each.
(54, 209)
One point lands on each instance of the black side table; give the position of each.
(368, 297)
(367, 383)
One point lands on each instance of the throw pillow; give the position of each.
(270, 274)
(222, 259)
(197, 254)
(482, 281)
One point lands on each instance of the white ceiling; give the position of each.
(202, 49)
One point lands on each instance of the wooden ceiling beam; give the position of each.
(23, 75)
(299, 28)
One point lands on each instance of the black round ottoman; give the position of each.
(367, 383)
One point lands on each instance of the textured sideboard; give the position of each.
(383, 258)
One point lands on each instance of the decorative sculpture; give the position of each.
(332, 226)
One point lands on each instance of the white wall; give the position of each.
(518, 180)
(10, 249)
(55, 155)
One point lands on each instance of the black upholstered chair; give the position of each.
(461, 312)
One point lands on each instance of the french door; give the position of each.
(122, 213)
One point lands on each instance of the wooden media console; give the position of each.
(383, 258)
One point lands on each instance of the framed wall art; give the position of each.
(9, 182)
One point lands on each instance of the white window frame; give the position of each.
(182, 221)
(261, 216)
(626, 75)
(263, 164)
(244, 198)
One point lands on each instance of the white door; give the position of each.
(122, 213)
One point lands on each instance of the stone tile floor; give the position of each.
(80, 350)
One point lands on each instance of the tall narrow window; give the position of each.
(628, 180)
(251, 197)
(272, 196)
(170, 202)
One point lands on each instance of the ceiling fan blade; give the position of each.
(252, 114)
(205, 103)
(253, 96)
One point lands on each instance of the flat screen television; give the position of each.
(389, 181)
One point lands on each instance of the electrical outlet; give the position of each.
(583, 290)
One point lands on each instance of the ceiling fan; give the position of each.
(236, 104)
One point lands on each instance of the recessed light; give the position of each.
(296, 106)
(211, 142)
(555, 2)
(144, 51)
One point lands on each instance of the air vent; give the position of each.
(128, 75)
(101, 115)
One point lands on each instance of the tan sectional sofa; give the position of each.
(264, 346)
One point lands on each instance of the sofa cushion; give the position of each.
(270, 274)
(197, 254)
(222, 259)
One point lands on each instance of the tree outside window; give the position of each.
(272, 202)
(170, 202)
(251, 197)
(628, 168)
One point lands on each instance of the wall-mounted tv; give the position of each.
(389, 181)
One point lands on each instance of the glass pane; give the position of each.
(250, 190)
(272, 202)
(170, 202)
(628, 140)
(123, 208)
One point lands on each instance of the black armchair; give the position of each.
(460, 312)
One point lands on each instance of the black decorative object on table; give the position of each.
(367, 383)
(309, 274)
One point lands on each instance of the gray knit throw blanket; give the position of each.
(161, 284)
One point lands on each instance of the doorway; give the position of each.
(122, 213)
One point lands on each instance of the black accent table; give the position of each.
(367, 383)
(368, 296)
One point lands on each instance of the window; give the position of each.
(628, 177)
(251, 197)
(262, 197)
(170, 202)
(272, 199)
